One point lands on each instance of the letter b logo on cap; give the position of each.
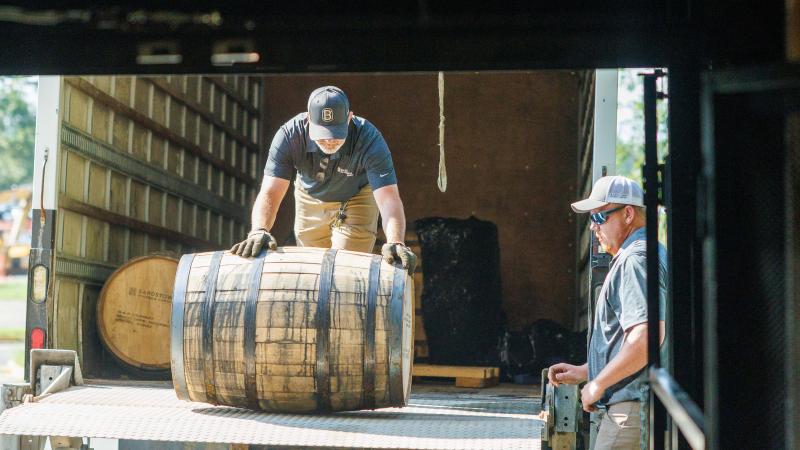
(327, 114)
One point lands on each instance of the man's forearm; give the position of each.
(632, 357)
(395, 224)
(265, 206)
(392, 214)
(264, 212)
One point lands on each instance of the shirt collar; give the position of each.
(637, 235)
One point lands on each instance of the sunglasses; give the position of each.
(601, 217)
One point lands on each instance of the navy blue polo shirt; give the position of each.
(622, 303)
(363, 159)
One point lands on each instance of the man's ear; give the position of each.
(630, 213)
(349, 116)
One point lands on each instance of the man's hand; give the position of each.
(566, 373)
(591, 394)
(393, 252)
(256, 240)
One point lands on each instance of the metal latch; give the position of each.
(11, 394)
(562, 416)
(51, 371)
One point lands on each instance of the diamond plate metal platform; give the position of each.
(437, 417)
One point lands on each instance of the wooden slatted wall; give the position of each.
(147, 164)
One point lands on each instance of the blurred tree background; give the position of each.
(630, 131)
(17, 130)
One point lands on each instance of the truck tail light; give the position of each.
(37, 338)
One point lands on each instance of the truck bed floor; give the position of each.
(437, 417)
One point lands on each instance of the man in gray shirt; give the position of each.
(617, 352)
(345, 178)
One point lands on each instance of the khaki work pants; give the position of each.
(314, 222)
(620, 428)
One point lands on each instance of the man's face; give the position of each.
(330, 146)
(612, 233)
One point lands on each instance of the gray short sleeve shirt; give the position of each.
(622, 303)
(363, 159)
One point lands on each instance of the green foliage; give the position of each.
(17, 130)
(15, 288)
(630, 131)
(12, 334)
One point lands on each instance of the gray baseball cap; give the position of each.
(611, 189)
(328, 109)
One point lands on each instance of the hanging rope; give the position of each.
(442, 181)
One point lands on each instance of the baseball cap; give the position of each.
(611, 189)
(328, 109)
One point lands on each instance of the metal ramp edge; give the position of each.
(431, 421)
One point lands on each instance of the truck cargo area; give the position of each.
(171, 165)
(437, 417)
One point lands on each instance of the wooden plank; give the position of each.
(155, 207)
(157, 151)
(138, 200)
(95, 240)
(75, 175)
(465, 376)
(70, 233)
(77, 110)
(98, 176)
(476, 382)
(240, 100)
(150, 124)
(116, 245)
(137, 243)
(101, 119)
(66, 329)
(430, 370)
(133, 224)
(203, 112)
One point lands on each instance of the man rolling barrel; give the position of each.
(345, 178)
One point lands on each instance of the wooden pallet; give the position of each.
(466, 376)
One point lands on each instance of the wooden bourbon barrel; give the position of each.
(420, 338)
(133, 312)
(294, 330)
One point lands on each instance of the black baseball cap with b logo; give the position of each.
(328, 109)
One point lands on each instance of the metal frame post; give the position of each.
(681, 178)
(651, 201)
(45, 191)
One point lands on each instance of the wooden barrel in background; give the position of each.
(133, 312)
(248, 332)
(420, 338)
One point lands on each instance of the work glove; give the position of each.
(396, 252)
(256, 240)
